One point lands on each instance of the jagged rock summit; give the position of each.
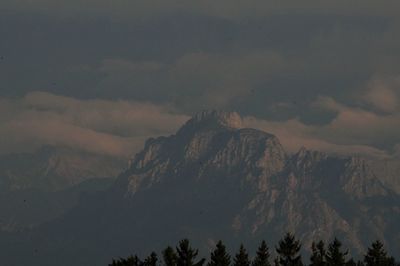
(214, 180)
(209, 143)
(214, 119)
(213, 159)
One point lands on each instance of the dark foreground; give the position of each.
(286, 253)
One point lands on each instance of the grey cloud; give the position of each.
(112, 65)
(223, 8)
(397, 150)
(357, 125)
(194, 81)
(353, 130)
(294, 135)
(246, 65)
(219, 80)
(384, 94)
(120, 128)
(111, 127)
(263, 59)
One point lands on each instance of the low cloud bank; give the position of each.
(101, 126)
(361, 129)
(119, 128)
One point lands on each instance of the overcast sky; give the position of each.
(104, 75)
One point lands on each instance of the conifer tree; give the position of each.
(352, 262)
(134, 261)
(262, 256)
(318, 254)
(186, 255)
(113, 263)
(169, 256)
(335, 256)
(130, 261)
(377, 256)
(360, 263)
(242, 257)
(288, 251)
(151, 260)
(219, 257)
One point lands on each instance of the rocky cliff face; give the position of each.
(269, 192)
(211, 145)
(215, 180)
(387, 170)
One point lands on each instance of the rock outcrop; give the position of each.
(215, 180)
(311, 193)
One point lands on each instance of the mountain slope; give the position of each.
(40, 186)
(215, 180)
(52, 168)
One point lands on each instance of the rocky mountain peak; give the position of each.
(213, 119)
(214, 179)
(227, 119)
(311, 156)
(210, 142)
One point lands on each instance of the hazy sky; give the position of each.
(104, 75)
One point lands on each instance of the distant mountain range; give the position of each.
(53, 168)
(215, 180)
(40, 186)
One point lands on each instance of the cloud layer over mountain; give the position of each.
(320, 74)
(120, 128)
(101, 126)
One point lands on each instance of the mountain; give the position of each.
(387, 170)
(215, 180)
(52, 168)
(28, 208)
(40, 186)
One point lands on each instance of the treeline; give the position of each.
(287, 250)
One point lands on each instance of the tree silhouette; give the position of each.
(219, 257)
(242, 257)
(151, 260)
(360, 263)
(288, 251)
(288, 254)
(377, 256)
(318, 254)
(352, 262)
(262, 255)
(130, 261)
(187, 255)
(335, 256)
(169, 256)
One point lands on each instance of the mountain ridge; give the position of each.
(53, 168)
(269, 170)
(214, 179)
